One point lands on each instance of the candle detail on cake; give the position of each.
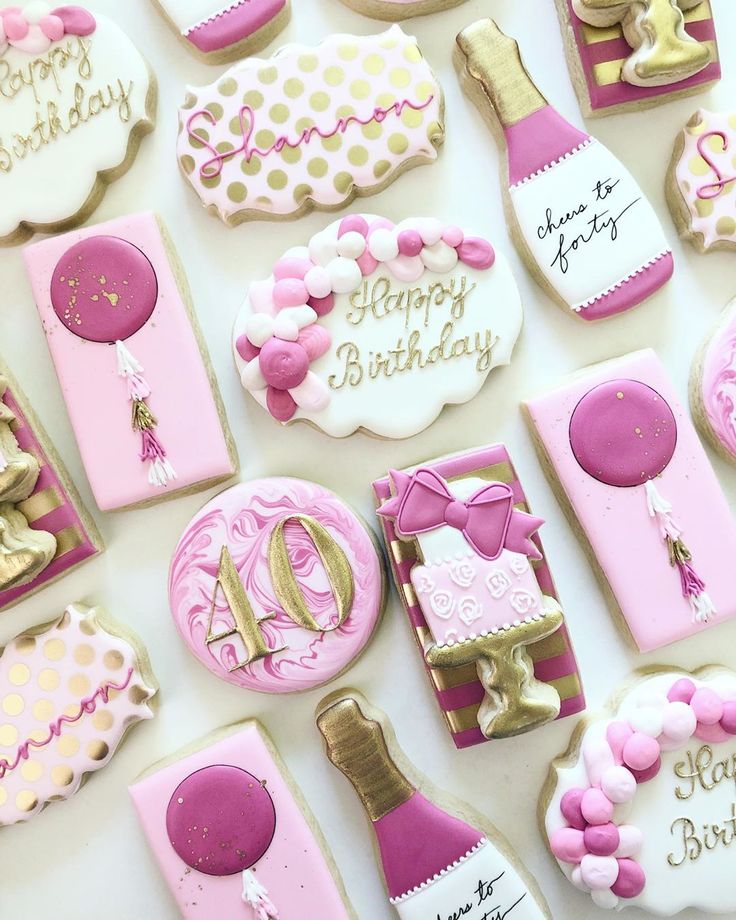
(580, 220)
(433, 862)
(478, 590)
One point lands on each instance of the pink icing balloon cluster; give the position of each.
(602, 848)
(282, 336)
(36, 26)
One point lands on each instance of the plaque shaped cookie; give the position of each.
(639, 812)
(399, 10)
(233, 836)
(311, 127)
(713, 386)
(276, 585)
(77, 99)
(69, 693)
(377, 326)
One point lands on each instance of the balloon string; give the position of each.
(255, 895)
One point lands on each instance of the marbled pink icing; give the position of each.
(718, 384)
(243, 518)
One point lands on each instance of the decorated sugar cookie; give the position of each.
(398, 10)
(370, 314)
(623, 455)
(69, 692)
(311, 127)
(219, 31)
(580, 221)
(701, 181)
(713, 386)
(232, 834)
(77, 99)
(639, 812)
(45, 531)
(435, 862)
(131, 362)
(637, 53)
(276, 585)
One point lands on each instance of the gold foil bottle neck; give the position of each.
(494, 60)
(357, 747)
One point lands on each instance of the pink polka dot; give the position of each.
(707, 706)
(640, 751)
(596, 807)
(353, 223)
(570, 808)
(602, 840)
(631, 879)
(568, 845)
(681, 691)
(290, 292)
(410, 243)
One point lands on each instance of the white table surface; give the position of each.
(87, 859)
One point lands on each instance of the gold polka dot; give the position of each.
(61, 776)
(265, 139)
(302, 192)
(102, 720)
(703, 207)
(726, 226)
(97, 750)
(54, 650)
(397, 144)
(224, 147)
(698, 166)
(347, 52)
(372, 131)
(303, 124)
(400, 77)
(25, 645)
(412, 118)
(235, 126)
(237, 192)
(715, 142)
(227, 87)
(277, 179)
(3, 796)
(434, 130)
(84, 654)
(343, 182)
(253, 98)
(43, 710)
(31, 771)
(197, 137)
(267, 74)
(87, 627)
(48, 679)
(317, 167)
(279, 113)
(72, 710)
(385, 100)
(8, 735)
(381, 168)
(360, 89)
(332, 143)
(65, 621)
(39, 734)
(412, 54)
(215, 109)
(79, 685)
(19, 675)
(13, 704)
(293, 88)
(250, 167)
(345, 111)
(26, 800)
(425, 90)
(373, 64)
(113, 660)
(389, 40)
(333, 76)
(211, 181)
(138, 695)
(67, 745)
(308, 62)
(319, 101)
(357, 155)
(291, 155)
(187, 164)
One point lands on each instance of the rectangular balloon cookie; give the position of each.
(233, 836)
(131, 361)
(474, 582)
(45, 530)
(638, 487)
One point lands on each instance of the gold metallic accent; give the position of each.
(357, 747)
(41, 503)
(551, 647)
(67, 745)
(609, 72)
(113, 660)
(567, 687)
(68, 539)
(61, 775)
(84, 654)
(463, 719)
(496, 472)
(24, 552)
(403, 551)
(103, 720)
(97, 750)
(54, 649)
(26, 800)
(138, 695)
(142, 419)
(448, 678)
(409, 594)
(19, 674)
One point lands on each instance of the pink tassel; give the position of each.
(152, 447)
(692, 584)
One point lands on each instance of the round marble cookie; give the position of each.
(276, 585)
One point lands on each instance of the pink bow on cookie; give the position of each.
(36, 26)
(487, 519)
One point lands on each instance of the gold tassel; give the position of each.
(143, 419)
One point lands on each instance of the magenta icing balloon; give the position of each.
(221, 820)
(623, 433)
(343, 611)
(104, 289)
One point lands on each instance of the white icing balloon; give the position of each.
(322, 248)
(317, 280)
(351, 245)
(383, 245)
(439, 257)
(345, 275)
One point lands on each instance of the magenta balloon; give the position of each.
(221, 820)
(104, 289)
(623, 433)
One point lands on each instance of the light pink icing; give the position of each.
(69, 695)
(293, 869)
(627, 540)
(189, 423)
(243, 518)
(718, 384)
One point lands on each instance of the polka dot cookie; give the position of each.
(701, 183)
(311, 128)
(69, 691)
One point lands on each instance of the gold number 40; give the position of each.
(287, 590)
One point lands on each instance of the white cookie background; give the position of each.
(95, 837)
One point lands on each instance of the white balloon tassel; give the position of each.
(257, 897)
(693, 586)
(160, 470)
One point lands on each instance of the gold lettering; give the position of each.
(691, 846)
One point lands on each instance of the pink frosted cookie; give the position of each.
(131, 362)
(219, 31)
(69, 692)
(276, 585)
(77, 98)
(633, 54)
(370, 314)
(233, 836)
(713, 386)
(701, 181)
(639, 811)
(312, 127)
(398, 10)
(639, 489)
